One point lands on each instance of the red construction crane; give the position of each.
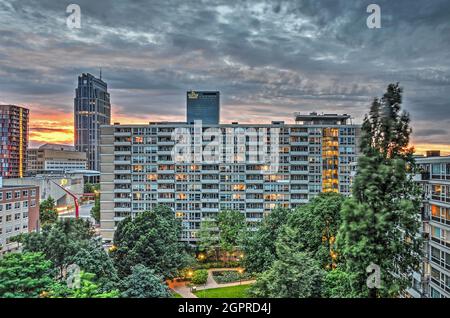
(75, 199)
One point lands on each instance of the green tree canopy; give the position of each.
(59, 242)
(25, 275)
(294, 275)
(313, 228)
(144, 283)
(259, 246)
(91, 257)
(47, 212)
(150, 239)
(381, 221)
(95, 211)
(338, 284)
(88, 289)
(232, 226)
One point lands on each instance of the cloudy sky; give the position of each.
(267, 58)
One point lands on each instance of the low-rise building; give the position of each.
(19, 213)
(53, 158)
(49, 186)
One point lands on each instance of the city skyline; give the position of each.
(267, 59)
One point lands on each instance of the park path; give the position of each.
(185, 291)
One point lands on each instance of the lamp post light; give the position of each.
(240, 271)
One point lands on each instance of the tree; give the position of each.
(313, 228)
(294, 275)
(338, 284)
(92, 258)
(232, 226)
(89, 188)
(87, 289)
(150, 239)
(208, 238)
(259, 246)
(59, 242)
(47, 212)
(380, 222)
(95, 211)
(144, 283)
(24, 275)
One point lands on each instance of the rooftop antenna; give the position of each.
(100, 73)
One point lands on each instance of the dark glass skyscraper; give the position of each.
(13, 140)
(203, 106)
(92, 109)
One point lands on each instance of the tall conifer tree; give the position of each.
(380, 223)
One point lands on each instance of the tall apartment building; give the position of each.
(204, 106)
(138, 171)
(19, 213)
(92, 109)
(13, 140)
(53, 158)
(434, 279)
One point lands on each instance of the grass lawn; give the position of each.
(176, 295)
(239, 291)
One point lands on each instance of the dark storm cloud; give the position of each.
(431, 132)
(266, 57)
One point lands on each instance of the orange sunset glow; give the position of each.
(58, 128)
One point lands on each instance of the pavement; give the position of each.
(185, 291)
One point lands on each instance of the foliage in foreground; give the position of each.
(144, 283)
(259, 246)
(294, 275)
(381, 220)
(150, 239)
(25, 275)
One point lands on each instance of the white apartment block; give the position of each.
(316, 154)
(434, 279)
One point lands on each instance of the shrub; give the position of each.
(223, 277)
(230, 264)
(200, 277)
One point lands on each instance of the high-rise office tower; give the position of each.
(138, 171)
(92, 109)
(204, 106)
(14, 140)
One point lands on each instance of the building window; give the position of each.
(16, 194)
(434, 293)
(8, 195)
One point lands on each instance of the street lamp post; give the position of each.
(240, 271)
